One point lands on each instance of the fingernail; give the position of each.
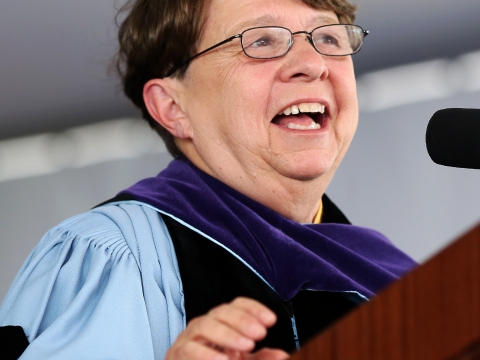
(268, 317)
(245, 343)
(256, 330)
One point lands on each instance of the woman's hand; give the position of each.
(227, 332)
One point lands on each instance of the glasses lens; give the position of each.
(266, 42)
(338, 40)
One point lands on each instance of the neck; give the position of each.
(295, 199)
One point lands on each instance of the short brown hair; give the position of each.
(156, 34)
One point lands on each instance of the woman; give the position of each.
(217, 257)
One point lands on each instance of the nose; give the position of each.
(303, 62)
(308, 37)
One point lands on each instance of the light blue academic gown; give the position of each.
(101, 285)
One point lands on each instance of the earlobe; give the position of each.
(161, 100)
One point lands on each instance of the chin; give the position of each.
(306, 167)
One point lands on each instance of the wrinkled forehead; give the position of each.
(323, 18)
(225, 18)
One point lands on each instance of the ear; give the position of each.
(161, 98)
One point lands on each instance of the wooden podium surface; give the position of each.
(432, 313)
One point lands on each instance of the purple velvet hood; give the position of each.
(288, 255)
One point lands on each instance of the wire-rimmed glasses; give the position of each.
(269, 42)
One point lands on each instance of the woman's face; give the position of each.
(233, 101)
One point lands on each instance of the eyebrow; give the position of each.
(264, 20)
(272, 20)
(321, 20)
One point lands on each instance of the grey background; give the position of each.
(54, 54)
(53, 61)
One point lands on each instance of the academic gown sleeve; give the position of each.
(101, 285)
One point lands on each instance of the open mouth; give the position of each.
(304, 116)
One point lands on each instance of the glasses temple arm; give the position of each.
(186, 62)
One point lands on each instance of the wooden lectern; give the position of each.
(432, 313)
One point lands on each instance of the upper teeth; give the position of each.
(304, 108)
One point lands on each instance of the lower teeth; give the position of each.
(312, 126)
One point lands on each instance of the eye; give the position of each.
(266, 42)
(262, 41)
(326, 39)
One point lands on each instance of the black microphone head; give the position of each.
(453, 138)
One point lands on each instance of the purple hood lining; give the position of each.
(288, 255)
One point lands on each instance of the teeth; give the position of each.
(304, 108)
(312, 126)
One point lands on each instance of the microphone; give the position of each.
(453, 138)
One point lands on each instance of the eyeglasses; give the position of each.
(269, 42)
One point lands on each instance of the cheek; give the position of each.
(345, 92)
(226, 106)
(241, 94)
(344, 86)
(207, 102)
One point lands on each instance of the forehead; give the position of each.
(229, 17)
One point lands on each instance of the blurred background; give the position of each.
(70, 140)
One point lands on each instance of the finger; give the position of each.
(235, 355)
(240, 320)
(256, 309)
(209, 330)
(193, 350)
(269, 354)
